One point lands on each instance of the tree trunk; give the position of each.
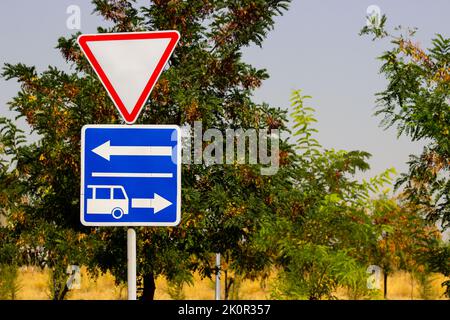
(229, 282)
(226, 285)
(385, 276)
(64, 293)
(149, 287)
(60, 294)
(55, 288)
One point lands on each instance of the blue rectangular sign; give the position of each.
(130, 175)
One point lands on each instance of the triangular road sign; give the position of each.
(129, 64)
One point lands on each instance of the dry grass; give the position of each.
(34, 283)
(34, 286)
(401, 286)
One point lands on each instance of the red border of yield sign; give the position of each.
(83, 41)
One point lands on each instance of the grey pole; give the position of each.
(218, 276)
(131, 262)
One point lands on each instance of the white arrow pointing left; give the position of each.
(158, 203)
(106, 150)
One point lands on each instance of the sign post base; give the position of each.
(131, 263)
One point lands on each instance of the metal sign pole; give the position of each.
(131, 261)
(218, 276)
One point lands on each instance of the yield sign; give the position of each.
(129, 64)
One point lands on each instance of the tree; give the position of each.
(207, 81)
(416, 101)
(404, 238)
(323, 234)
(9, 285)
(35, 201)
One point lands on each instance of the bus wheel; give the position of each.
(117, 213)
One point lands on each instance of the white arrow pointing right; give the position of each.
(158, 203)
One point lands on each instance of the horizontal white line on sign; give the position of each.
(131, 175)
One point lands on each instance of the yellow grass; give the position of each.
(402, 287)
(33, 285)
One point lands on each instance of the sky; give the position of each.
(314, 46)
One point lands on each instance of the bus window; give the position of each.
(103, 193)
(118, 194)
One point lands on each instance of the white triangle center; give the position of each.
(129, 64)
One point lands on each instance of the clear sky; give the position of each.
(315, 47)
